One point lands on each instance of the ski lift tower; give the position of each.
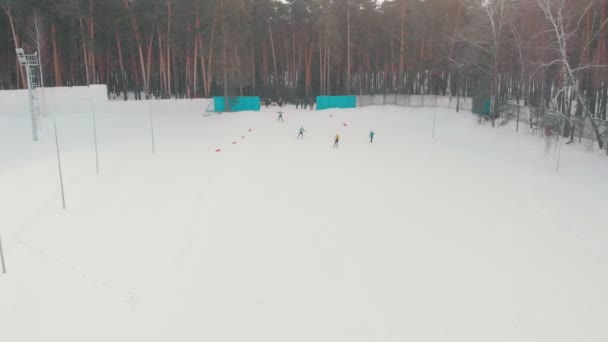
(31, 63)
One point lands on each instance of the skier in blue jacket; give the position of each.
(301, 133)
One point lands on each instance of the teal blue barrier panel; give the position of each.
(487, 107)
(237, 103)
(326, 102)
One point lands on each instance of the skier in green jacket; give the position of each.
(371, 136)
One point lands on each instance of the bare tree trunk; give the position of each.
(401, 47)
(56, 62)
(92, 63)
(197, 41)
(456, 26)
(224, 59)
(238, 71)
(40, 38)
(556, 20)
(9, 14)
(210, 59)
(138, 41)
(328, 66)
(253, 65)
(348, 48)
(123, 74)
(274, 59)
(85, 52)
(147, 88)
(161, 64)
(495, 87)
(309, 70)
(293, 58)
(169, 17)
(321, 66)
(203, 67)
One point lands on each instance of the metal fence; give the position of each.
(541, 121)
(465, 103)
(538, 121)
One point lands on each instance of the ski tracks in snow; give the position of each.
(125, 295)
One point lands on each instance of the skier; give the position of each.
(301, 134)
(336, 140)
(371, 136)
(297, 103)
(280, 117)
(302, 104)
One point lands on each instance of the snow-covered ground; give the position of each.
(470, 236)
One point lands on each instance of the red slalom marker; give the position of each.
(345, 125)
(234, 142)
(249, 130)
(218, 150)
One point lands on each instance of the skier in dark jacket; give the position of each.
(301, 133)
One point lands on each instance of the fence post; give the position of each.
(59, 161)
(435, 116)
(559, 150)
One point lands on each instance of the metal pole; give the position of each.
(151, 122)
(95, 137)
(29, 95)
(94, 132)
(559, 150)
(2, 258)
(435, 116)
(59, 161)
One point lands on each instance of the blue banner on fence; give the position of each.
(325, 102)
(236, 104)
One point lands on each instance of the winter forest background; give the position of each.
(546, 55)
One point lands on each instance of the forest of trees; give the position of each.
(544, 53)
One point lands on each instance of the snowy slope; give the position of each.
(471, 236)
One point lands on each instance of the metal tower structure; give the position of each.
(31, 64)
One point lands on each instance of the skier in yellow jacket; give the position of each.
(336, 140)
